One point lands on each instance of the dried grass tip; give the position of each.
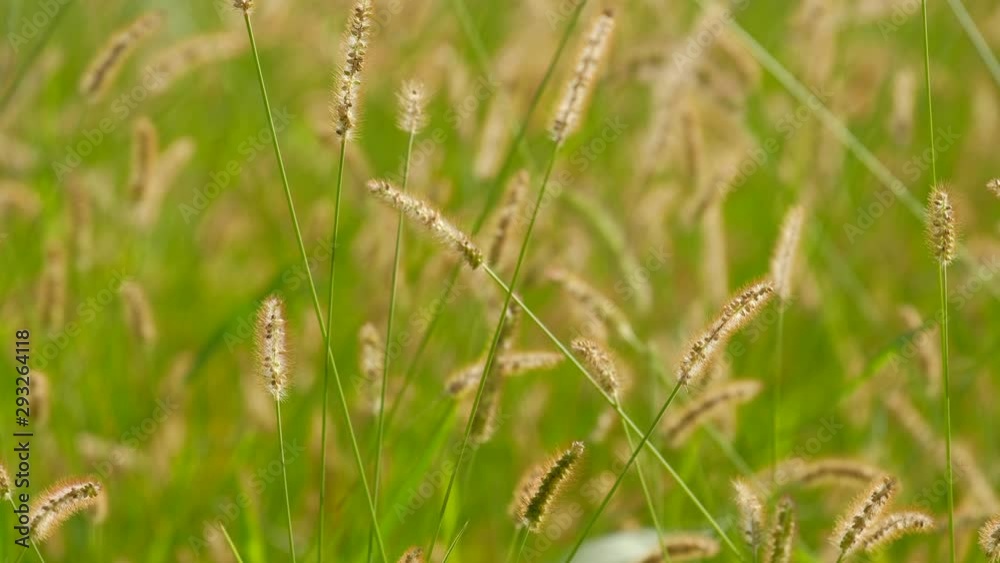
(783, 261)
(272, 348)
(430, 218)
(751, 511)
(581, 84)
(893, 527)
(60, 502)
(109, 61)
(413, 555)
(941, 226)
(412, 102)
(684, 547)
(739, 311)
(355, 47)
(866, 509)
(678, 427)
(540, 487)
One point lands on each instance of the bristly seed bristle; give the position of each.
(59, 502)
(272, 351)
(412, 101)
(740, 310)
(751, 511)
(891, 528)
(989, 539)
(678, 427)
(430, 218)
(541, 486)
(782, 535)
(941, 226)
(355, 47)
(581, 84)
(600, 363)
(863, 513)
(783, 260)
(413, 555)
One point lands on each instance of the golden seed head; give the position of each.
(355, 49)
(412, 102)
(891, 528)
(272, 351)
(783, 260)
(993, 185)
(61, 501)
(540, 487)
(866, 509)
(751, 514)
(989, 539)
(245, 5)
(782, 534)
(108, 62)
(428, 217)
(941, 226)
(678, 426)
(413, 555)
(598, 360)
(581, 84)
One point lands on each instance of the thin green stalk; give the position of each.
(454, 542)
(571, 358)
(645, 492)
(232, 546)
(943, 283)
(520, 550)
(930, 104)
(493, 198)
(326, 361)
(776, 406)
(312, 288)
(488, 366)
(621, 476)
(518, 532)
(284, 477)
(387, 357)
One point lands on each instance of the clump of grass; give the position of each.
(109, 60)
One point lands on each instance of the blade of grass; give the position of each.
(232, 546)
(312, 285)
(284, 478)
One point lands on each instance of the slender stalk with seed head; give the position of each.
(866, 509)
(564, 123)
(245, 6)
(355, 47)
(411, 121)
(941, 235)
(272, 362)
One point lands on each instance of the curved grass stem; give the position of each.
(284, 478)
(312, 288)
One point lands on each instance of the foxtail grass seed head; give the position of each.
(581, 84)
(891, 528)
(989, 539)
(428, 217)
(272, 351)
(355, 47)
(829, 471)
(145, 148)
(486, 419)
(507, 218)
(138, 312)
(783, 261)
(751, 511)
(994, 186)
(593, 302)
(941, 226)
(245, 6)
(61, 501)
(413, 555)
(863, 513)
(684, 547)
(4, 483)
(541, 486)
(412, 107)
(600, 364)
(678, 427)
(781, 537)
(108, 62)
(371, 363)
(178, 60)
(737, 313)
(52, 286)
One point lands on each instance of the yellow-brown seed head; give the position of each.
(941, 226)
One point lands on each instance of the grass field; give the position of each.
(643, 161)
